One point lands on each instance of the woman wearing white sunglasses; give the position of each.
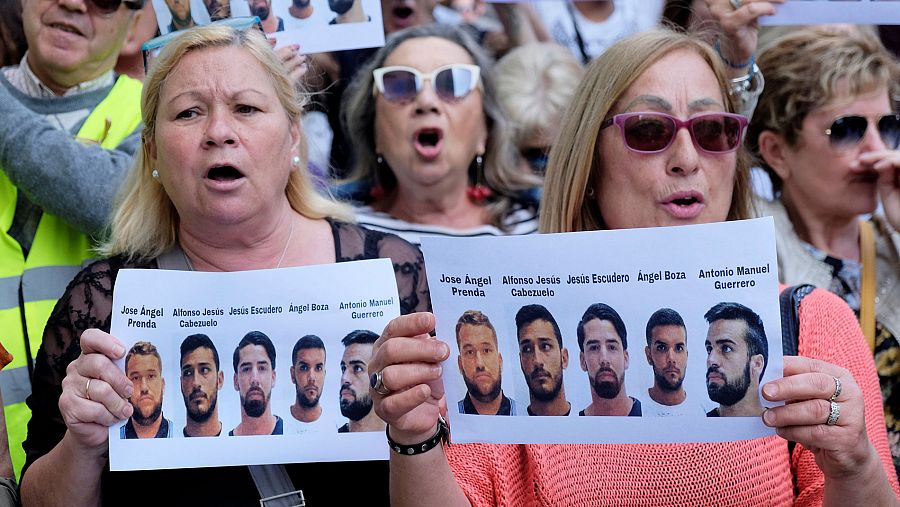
(431, 142)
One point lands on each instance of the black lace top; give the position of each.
(87, 303)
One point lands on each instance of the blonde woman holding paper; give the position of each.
(220, 185)
(623, 160)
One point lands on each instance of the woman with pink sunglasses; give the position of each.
(430, 141)
(651, 140)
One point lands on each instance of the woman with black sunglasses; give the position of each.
(662, 161)
(827, 132)
(433, 152)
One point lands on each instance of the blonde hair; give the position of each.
(145, 222)
(575, 160)
(806, 70)
(534, 85)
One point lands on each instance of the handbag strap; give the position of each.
(272, 481)
(789, 304)
(867, 291)
(275, 486)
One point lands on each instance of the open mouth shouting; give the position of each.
(428, 142)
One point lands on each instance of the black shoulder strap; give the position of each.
(790, 316)
(790, 325)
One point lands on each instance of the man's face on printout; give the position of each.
(308, 375)
(728, 375)
(668, 355)
(260, 8)
(145, 372)
(356, 402)
(254, 379)
(480, 362)
(542, 359)
(180, 9)
(200, 383)
(604, 358)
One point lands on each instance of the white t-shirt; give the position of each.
(629, 16)
(686, 407)
(324, 424)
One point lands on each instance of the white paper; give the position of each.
(314, 34)
(808, 12)
(366, 290)
(621, 256)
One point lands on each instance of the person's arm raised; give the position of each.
(739, 31)
(408, 359)
(94, 396)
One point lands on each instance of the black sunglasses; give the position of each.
(111, 6)
(848, 131)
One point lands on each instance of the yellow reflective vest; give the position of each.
(30, 286)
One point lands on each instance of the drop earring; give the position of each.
(377, 191)
(479, 192)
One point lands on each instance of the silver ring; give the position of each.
(837, 389)
(87, 389)
(834, 414)
(378, 383)
(737, 4)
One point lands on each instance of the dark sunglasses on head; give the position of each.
(848, 131)
(450, 82)
(652, 132)
(111, 6)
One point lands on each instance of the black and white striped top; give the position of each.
(520, 220)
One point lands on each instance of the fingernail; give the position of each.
(769, 418)
(444, 350)
(770, 390)
(437, 370)
(129, 390)
(120, 351)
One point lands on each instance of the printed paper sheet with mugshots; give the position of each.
(710, 290)
(331, 302)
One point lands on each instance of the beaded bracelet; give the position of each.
(442, 434)
(748, 63)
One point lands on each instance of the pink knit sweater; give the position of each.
(750, 472)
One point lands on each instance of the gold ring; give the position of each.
(87, 389)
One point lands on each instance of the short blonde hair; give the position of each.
(808, 69)
(575, 159)
(535, 83)
(145, 222)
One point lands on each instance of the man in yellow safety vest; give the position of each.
(68, 131)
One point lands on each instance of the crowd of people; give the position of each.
(227, 155)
